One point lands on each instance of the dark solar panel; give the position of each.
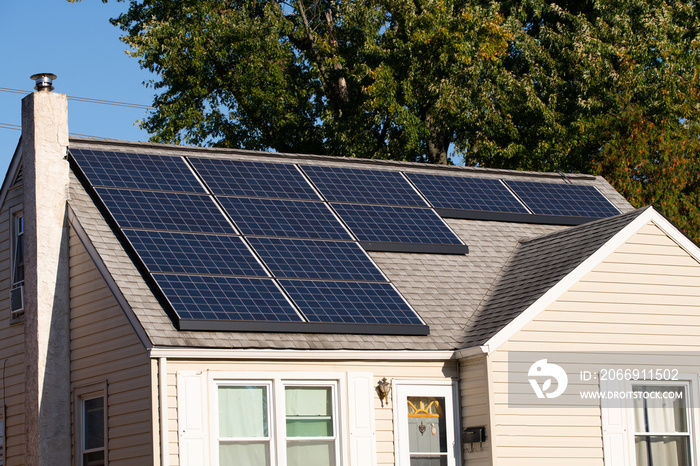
(136, 171)
(291, 219)
(164, 211)
(226, 298)
(363, 186)
(330, 260)
(458, 192)
(396, 224)
(254, 179)
(563, 199)
(350, 302)
(194, 253)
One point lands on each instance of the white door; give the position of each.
(426, 424)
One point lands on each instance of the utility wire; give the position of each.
(87, 99)
(19, 128)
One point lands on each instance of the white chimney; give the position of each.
(46, 285)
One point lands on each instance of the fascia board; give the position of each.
(296, 354)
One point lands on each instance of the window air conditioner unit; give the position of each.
(17, 300)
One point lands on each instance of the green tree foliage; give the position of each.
(609, 88)
(398, 79)
(603, 87)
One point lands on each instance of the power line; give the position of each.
(87, 99)
(19, 128)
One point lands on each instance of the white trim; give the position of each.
(11, 174)
(82, 394)
(305, 354)
(555, 292)
(276, 383)
(442, 388)
(472, 351)
(163, 395)
(690, 383)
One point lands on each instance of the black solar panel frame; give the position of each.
(478, 193)
(134, 170)
(363, 186)
(551, 193)
(254, 179)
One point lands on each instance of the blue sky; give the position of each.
(76, 42)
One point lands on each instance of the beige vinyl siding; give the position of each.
(11, 338)
(642, 297)
(474, 396)
(105, 351)
(384, 416)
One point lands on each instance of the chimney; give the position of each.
(46, 287)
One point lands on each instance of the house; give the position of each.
(184, 306)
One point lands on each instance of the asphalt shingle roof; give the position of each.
(456, 295)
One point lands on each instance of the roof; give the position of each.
(456, 295)
(536, 266)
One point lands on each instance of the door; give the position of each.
(426, 424)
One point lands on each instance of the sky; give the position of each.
(76, 42)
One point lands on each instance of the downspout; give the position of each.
(163, 388)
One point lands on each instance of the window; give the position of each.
(662, 425)
(91, 431)
(261, 423)
(17, 290)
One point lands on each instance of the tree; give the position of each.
(400, 79)
(609, 88)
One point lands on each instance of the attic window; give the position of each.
(17, 290)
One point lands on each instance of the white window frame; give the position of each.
(689, 382)
(402, 389)
(17, 216)
(80, 396)
(277, 382)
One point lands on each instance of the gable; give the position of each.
(647, 265)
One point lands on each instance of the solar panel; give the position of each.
(315, 259)
(164, 211)
(350, 302)
(363, 186)
(396, 224)
(563, 199)
(254, 179)
(226, 298)
(284, 218)
(194, 253)
(136, 171)
(458, 192)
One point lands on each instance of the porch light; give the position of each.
(383, 390)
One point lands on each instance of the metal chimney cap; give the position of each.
(44, 81)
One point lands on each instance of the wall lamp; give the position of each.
(383, 390)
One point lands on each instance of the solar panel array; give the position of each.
(269, 245)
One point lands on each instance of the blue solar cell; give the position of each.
(563, 199)
(396, 224)
(458, 192)
(136, 171)
(330, 260)
(364, 186)
(226, 298)
(285, 218)
(194, 253)
(350, 302)
(254, 179)
(165, 211)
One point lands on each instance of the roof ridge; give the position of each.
(204, 151)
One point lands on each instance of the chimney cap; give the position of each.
(44, 81)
